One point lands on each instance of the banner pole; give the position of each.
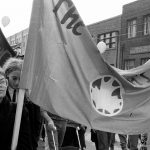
(53, 139)
(77, 129)
(20, 98)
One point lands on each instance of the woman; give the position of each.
(7, 117)
(12, 68)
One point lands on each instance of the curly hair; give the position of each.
(2, 72)
(12, 64)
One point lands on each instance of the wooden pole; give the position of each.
(20, 102)
(77, 132)
(54, 140)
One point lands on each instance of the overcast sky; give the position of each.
(91, 11)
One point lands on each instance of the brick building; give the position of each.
(135, 34)
(132, 32)
(18, 41)
(127, 36)
(108, 31)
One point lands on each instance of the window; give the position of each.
(132, 28)
(129, 64)
(147, 25)
(109, 39)
(144, 60)
(12, 42)
(23, 44)
(16, 41)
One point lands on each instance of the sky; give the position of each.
(91, 11)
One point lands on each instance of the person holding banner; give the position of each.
(12, 68)
(56, 128)
(7, 117)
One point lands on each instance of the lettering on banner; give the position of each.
(74, 23)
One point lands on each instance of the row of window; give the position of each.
(18, 40)
(129, 64)
(109, 38)
(132, 26)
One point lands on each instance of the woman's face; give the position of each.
(14, 79)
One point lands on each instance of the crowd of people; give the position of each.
(33, 117)
(106, 141)
(35, 121)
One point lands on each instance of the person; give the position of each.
(7, 117)
(131, 143)
(144, 138)
(12, 68)
(82, 130)
(74, 136)
(123, 141)
(94, 138)
(56, 128)
(112, 142)
(103, 140)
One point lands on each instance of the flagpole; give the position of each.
(20, 101)
(53, 139)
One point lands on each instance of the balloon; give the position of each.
(101, 47)
(5, 21)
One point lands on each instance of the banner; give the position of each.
(139, 76)
(5, 49)
(67, 76)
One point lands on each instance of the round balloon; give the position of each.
(5, 21)
(101, 47)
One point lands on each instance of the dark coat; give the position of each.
(35, 122)
(93, 135)
(7, 117)
(71, 136)
(35, 119)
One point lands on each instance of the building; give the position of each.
(127, 36)
(18, 41)
(131, 47)
(108, 31)
(135, 34)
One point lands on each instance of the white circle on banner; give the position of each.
(106, 95)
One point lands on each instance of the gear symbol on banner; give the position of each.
(106, 95)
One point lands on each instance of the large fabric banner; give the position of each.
(67, 76)
(139, 76)
(5, 49)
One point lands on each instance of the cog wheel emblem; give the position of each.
(106, 95)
